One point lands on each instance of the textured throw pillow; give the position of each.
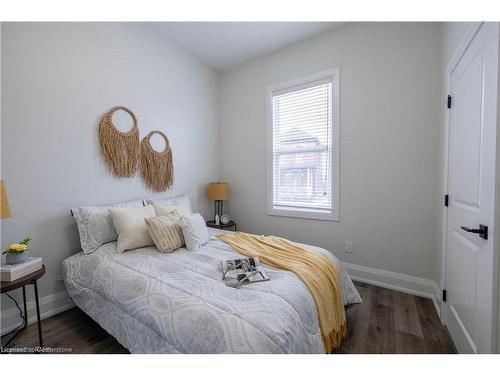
(131, 228)
(176, 202)
(166, 231)
(195, 232)
(166, 210)
(95, 225)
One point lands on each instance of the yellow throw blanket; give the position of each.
(315, 269)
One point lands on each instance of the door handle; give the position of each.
(482, 231)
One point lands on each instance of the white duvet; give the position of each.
(177, 303)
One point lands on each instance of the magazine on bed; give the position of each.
(239, 272)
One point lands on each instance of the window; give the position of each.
(303, 160)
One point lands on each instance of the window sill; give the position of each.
(303, 214)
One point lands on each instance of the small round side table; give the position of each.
(22, 282)
(231, 224)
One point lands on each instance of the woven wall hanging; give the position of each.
(120, 150)
(157, 167)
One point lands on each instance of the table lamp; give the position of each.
(4, 202)
(218, 192)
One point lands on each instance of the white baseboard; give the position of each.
(49, 305)
(397, 281)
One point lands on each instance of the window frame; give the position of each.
(293, 85)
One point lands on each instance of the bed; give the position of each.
(177, 303)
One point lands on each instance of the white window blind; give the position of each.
(302, 148)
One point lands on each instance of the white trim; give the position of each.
(397, 281)
(302, 83)
(306, 213)
(463, 343)
(334, 76)
(49, 305)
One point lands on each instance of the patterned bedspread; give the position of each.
(177, 303)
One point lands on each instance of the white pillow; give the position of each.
(95, 225)
(182, 203)
(131, 227)
(195, 231)
(166, 210)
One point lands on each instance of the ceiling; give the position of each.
(223, 45)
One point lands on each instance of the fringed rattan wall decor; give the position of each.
(120, 150)
(157, 167)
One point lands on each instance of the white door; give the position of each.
(470, 272)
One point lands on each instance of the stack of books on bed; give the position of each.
(11, 272)
(239, 272)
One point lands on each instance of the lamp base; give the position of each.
(218, 206)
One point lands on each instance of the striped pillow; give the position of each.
(166, 232)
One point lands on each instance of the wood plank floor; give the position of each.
(386, 322)
(393, 322)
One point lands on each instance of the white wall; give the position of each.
(57, 81)
(390, 121)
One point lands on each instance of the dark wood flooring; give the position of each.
(386, 322)
(393, 322)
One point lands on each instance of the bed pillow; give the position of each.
(95, 225)
(166, 210)
(166, 232)
(131, 227)
(195, 232)
(182, 203)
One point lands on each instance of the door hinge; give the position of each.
(449, 101)
(446, 200)
(444, 295)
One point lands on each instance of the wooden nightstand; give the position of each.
(227, 226)
(7, 286)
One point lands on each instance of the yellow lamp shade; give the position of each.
(218, 191)
(4, 207)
